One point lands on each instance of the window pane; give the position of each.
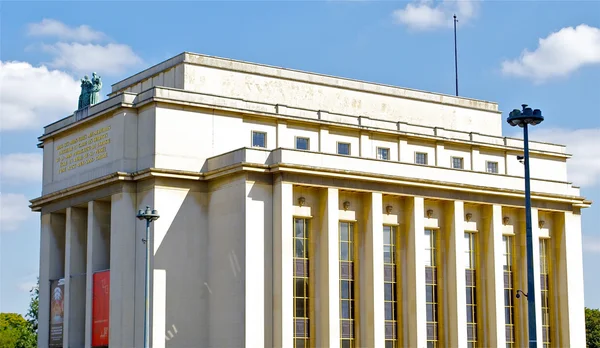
(258, 139)
(301, 286)
(343, 148)
(299, 228)
(388, 289)
(343, 231)
(299, 249)
(300, 303)
(345, 289)
(386, 235)
(383, 153)
(302, 143)
(389, 311)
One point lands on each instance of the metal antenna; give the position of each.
(455, 55)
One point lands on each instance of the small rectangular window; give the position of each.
(491, 167)
(259, 139)
(343, 149)
(383, 153)
(457, 163)
(420, 158)
(302, 143)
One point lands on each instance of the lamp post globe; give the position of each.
(523, 118)
(150, 215)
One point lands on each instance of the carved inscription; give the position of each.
(83, 150)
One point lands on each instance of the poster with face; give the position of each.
(57, 314)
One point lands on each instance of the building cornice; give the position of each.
(169, 96)
(244, 165)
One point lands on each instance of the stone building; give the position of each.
(301, 210)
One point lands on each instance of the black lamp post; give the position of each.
(149, 216)
(523, 118)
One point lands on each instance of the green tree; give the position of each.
(34, 305)
(16, 332)
(592, 327)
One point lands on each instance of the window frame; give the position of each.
(487, 168)
(311, 280)
(355, 282)
(438, 264)
(462, 162)
(386, 149)
(396, 290)
(296, 138)
(265, 139)
(425, 156)
(338, 143)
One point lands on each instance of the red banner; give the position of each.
(100, 309)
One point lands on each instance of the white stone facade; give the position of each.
(179, 137)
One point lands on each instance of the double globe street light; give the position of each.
(149, 216)
(523, 118)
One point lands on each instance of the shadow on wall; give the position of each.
(183, 256)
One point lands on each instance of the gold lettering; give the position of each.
(83, 150)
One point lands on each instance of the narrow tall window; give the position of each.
(545, 287)
(347, 285)
(471, 283)
(431, 288)
(389, 284)
(509, 295)
(301, 284)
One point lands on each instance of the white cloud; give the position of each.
(53, 28)
(584, 144)
(110, 59)
(21, 167)
(14, 209)
(557, 55)
(31, 97)
(429, 15)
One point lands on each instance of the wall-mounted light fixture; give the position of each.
(346, 205)
(429, 213)
(388, 209)
(468, 217)
(301, 201)
(505, 220)
(541, 223)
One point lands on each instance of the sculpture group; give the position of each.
(90, 91)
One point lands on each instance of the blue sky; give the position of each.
(543, 53)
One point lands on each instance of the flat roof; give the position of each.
(300, 76)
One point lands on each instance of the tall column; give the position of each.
(329, 277)
(283, 268)
(569, 272)
(52, 266)
(456, 319)
(414, 298)
(75, 259)
(124, 240)
(372, 323)
(491, 262)
(98, 255)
